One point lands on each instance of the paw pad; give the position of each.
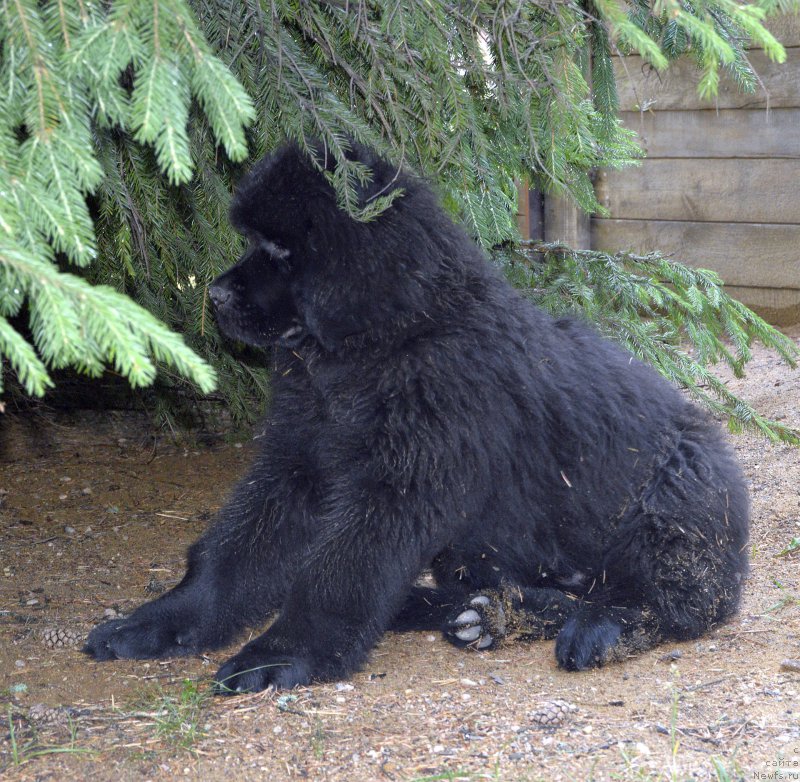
(477, 624)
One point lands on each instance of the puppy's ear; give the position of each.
(254, 207)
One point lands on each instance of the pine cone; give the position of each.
(60, 637)
(48, 715)
(552, 713)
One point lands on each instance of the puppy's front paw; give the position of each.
(141, 639)
(254, 669)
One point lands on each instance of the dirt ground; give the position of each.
(95, 515)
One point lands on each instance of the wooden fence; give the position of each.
(720, 186)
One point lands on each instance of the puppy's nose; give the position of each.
(219, 295)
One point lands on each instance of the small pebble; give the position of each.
(69, 530)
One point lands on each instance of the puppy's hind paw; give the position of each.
(586, 644)
(478, 624)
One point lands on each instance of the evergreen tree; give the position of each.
(123, 124)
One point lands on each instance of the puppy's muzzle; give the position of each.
(219, 295)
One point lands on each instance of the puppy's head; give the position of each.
(311, 270)
(253, 301)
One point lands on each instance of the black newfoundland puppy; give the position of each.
(425, 415)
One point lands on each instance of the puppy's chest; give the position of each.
(346, 396)
(347, 409)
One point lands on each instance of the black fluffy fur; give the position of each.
(425, 415)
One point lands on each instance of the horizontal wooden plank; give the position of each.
(642, 87)
(785, 28)
(733, 133)
(722, 190)
(779, 306)
(754, 255)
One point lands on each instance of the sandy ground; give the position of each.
(96, 512)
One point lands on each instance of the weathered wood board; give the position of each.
(731, 133)
(785, 28)
(642, 87)
(759, 255)
(780, 306)
(718, 190)
(565, 223)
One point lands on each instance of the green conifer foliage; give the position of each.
(123, 124)
(63, 69)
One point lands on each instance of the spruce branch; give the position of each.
(77, 323)
(62, 68)
(28, 367)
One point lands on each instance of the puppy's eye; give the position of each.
(279, 254)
